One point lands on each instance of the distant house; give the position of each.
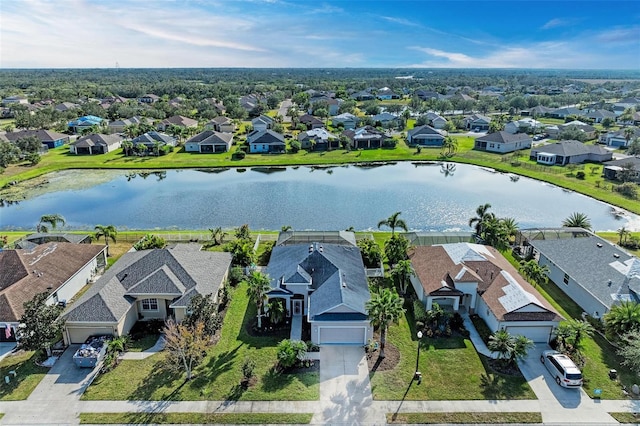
(436, 121)
(363, 95)
(66, 106)
(480, 280)
(310, 121)
(209, 141)
(118, 126)
(177, 120)
(326, 283)
(262, 122)
(85, 122)
(365, 137)
(569, 152)
(564, 112)
(9, 100)
(266, 141)
(95, 144)
(611, 168)
(386, 94)
(47, 137)
(149, 98)
(477, 121)
(618, 138)
(323, 139)
(588, 130)
(333, 105)
(599, 115)
(424, 136)
(593, 272)
(425, 95)
(348, 120)
(385, 119)
(59, 268)
(525, 125)
(503, 142)
(538, 111)
(149, 139)
(250, 102)
(142, 286)
(221, 124)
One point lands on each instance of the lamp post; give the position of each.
(418, 375)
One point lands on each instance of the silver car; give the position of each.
(562, 369)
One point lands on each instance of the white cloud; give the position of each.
(556, 22)
(401, 21)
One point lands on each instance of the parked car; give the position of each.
(562, 369)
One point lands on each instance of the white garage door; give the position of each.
(80, 335)
(342, 335)
(537, 334)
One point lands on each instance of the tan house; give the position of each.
(145, 285)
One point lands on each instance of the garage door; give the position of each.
(537, 334)
(342, 335)
(80, 335)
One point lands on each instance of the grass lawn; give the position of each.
(28, 376)
(195, 418)
(451, 370)
(145, 342)
(615, 238)
(218, 377)
(625, 417)
(468, 418)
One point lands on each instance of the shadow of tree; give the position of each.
(255, 341)
(274, 380)
(208, 373)
(444, 343)
(160, 377)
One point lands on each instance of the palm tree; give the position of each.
(534, 272)
(482, 214)
(580, 329)
(522, 345)
(623, 233)
(217, 235)
(108, 232)
(276, 311)
(449, 146)
(127, 147)
(503, 343)
(384, 308)
(622, 319)
(286, 228)
(393, 222)
(628, 134)
(510, 225)
(259, 286)
(577, 220)
(402, 273)
(52, 219)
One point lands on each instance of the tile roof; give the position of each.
(46, 267)
(178, 273)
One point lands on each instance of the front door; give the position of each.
(297, 307)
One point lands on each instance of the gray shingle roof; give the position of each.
(161, 271)
(97, 139)
(590, 265)
(569, 148)
(424, 130)
(504, 137)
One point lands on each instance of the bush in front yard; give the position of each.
(290, 352)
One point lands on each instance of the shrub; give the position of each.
(371, 253)
(290, 352)
(389, 143)
(580, 175)
(628, 189)
(419, 312)
(248, 366)
(235, 276)
(456, 322)
(239, 155)
(295, 146)
(150, 241)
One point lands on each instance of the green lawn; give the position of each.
(195, 418)
(626, 417)
(28, 376)
(219, 375)
(451, 370)
(465, 418)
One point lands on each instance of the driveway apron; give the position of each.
(345, 390)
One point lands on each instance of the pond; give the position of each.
(431, 196)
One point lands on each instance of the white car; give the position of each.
(562, 369)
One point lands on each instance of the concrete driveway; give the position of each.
(345, 390)
(6, 348)
(558, 404)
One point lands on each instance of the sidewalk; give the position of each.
(475, 338)
(146, 353)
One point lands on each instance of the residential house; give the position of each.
(323, 140)
(310, 121)
(477, 122)
(385, 119)
(365, 137)
(12, 100)
(250, 102)
(209, 141)
(588, 130)
(31, 241)
(564, 112)
(59, 268)
(66, 106)
(326, 283)
(569, 152)
(266, 141)
(49, 138)
(150, 139)
(221, 124)
(145, 285)
(118, 126)
(503, 142)
(386, 94)
(436, 121)
(363, 95)
(599, 115)
(478, 279)
(83, 123)
(333, 105)
(149, 98)
(424, 136)
(262, 122)
(538, 111)
(611, 168)
(593, 272)
(425, 95)
(618, 138)
(348, 120)
(177, 120)
(524, 125)
(96, 143)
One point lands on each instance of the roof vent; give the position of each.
(321, 249)
(609, 283)
(310, 248)
(616, 255)
(599, 245)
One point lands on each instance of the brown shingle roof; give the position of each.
(26, 273)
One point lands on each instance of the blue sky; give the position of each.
(301, 33)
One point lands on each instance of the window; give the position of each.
(149, 304)
(566, 279)
(491, 145)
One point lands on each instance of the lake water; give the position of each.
(305, 198)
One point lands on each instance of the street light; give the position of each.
(418, 376)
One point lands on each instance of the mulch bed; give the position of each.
(499, 366)
(389, 362)
(315, 366)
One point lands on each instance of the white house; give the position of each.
(503, 142)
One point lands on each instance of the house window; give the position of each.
(491, 145)
(566, 279)
(149, 304)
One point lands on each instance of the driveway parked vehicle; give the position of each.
(562, 368)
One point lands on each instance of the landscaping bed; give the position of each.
(196, 418)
